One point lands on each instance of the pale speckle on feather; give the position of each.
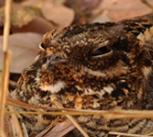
(146, 71)
(94, 73)
(54, 88)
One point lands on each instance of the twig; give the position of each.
(4, 88)
(6, 64)
(107, 114)
(7, 24)
(21, 104)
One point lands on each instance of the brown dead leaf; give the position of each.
(24, 48)
(58, 14)
(21, 15)
(27, 18)
(35, 3)
(39, 25)
(59, 130)
(116, 10)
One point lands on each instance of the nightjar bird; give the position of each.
(93, 66)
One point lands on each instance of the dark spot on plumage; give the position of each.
(117, 92)
(43, 93)
(31, 80)
(121, 44)
(70, 89)
(48, 117)
(120, 85)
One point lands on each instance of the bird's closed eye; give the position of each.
(101, 51)
(42, 46)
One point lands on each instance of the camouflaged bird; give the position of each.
(93, 66)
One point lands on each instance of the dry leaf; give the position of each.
(58, 14)
(116, 10)
(24, 48)
(34, 3)
(21, 15)
(38, 25)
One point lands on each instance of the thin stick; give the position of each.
(6, 64)
(6, 24)
(4, 88)
(109, 114)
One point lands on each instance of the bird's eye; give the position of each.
(42, 46)
(101, 51)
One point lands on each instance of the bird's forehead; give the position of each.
(85, 39)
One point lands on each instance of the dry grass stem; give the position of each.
(6, 65)
(107, 114)
(6, 24)
(4, 88)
